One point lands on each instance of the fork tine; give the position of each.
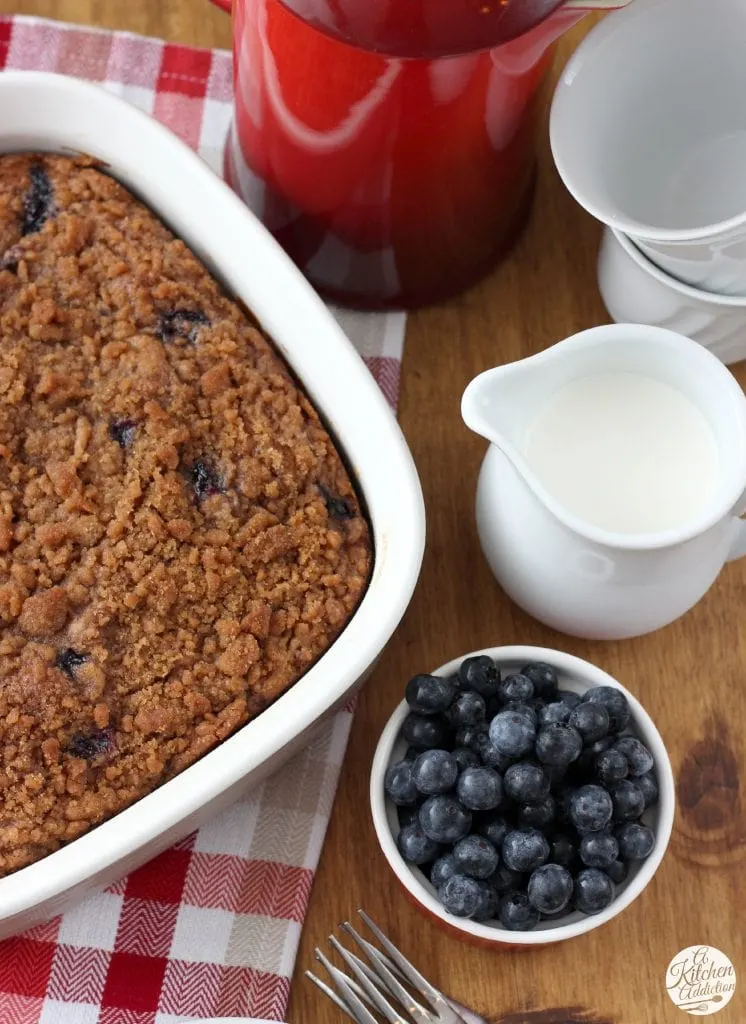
(332, 995)
(369, 949)
(367, 970)
(356, 1008)
(371, 990)
(336, 974)
(436, 999)
(415, 1009)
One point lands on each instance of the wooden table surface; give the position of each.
(690, 676)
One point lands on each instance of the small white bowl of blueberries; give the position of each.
(522, 796)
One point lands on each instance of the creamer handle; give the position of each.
(738, 544)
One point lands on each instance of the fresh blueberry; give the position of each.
(636, 841)
(615, 703)
(591, 721)
(38, 200)
(543, 677)
(583, 767)
(407, 815)
(505, 880)
(424, 731)
(629, 800)
(411, 754)
(399, 784)
(123, 432)
(444, 819)
(69, 659)
(538, 815)
(516, 689)
(442, 870)
(427, 695)
(555, 714)
(461, 895)
(617, 871)
(415, 846)
(205, 479)
(639, 758)
(598, 849)
(488, 904)
(525, 849)
(467, 710)
(610, 766)
(516, 913)
(562, 850)
(495, 828)
(480, 789)
(523, 708)
(591, 808)
(93, 745)
(594, 891)
(180, 324)
(466, 758)
(600, 746)
(550, 888)
(492, 757)
(570, 698)
(435, 771)
(558, 744)
(475, 856)
(473, 737)
(481, 675)
(526, 783)
(649, 786)
(513, 734)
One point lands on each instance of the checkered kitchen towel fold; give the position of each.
(211, 927)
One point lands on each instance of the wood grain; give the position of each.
(690, 675)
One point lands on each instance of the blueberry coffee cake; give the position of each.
(179, 538)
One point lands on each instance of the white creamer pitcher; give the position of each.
(570, 574)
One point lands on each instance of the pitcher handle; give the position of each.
(738, 544)
(224, 5)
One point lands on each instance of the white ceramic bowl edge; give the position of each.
(574, 673)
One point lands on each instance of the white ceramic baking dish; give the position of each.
(51, 112)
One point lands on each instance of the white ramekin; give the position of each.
(52, 112)
(575, 674)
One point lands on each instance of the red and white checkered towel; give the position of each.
(211, 927)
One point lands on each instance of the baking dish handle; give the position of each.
(224, 5)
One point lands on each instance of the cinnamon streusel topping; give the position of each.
(179, 539)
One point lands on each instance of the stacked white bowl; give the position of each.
(648, 132)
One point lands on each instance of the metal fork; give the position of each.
(384, 975)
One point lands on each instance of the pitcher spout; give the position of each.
(497, 405)
(527, 47)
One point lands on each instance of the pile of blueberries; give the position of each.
(519, 800)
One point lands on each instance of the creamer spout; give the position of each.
(498, 404)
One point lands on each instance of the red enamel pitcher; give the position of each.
(389, 144)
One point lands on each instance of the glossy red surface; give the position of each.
(390, 181)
